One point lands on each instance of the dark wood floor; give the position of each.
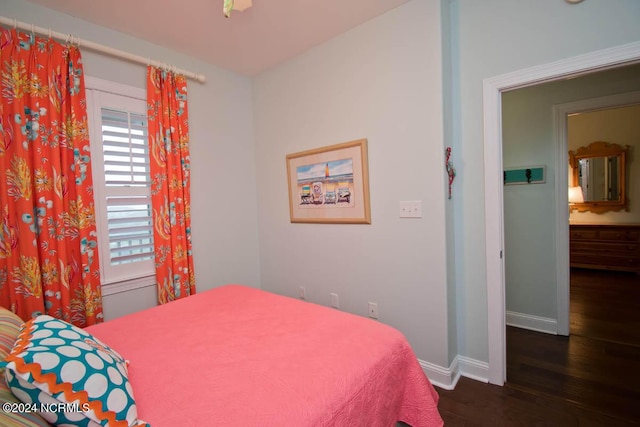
(591, 378)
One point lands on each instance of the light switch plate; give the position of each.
(411, 209)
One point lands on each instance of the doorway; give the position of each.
(494, 219)
(534, 279)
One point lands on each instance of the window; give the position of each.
(122, 184)
(127, 180)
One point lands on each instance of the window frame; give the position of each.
(103, 93)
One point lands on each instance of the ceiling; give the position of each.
(248, 42)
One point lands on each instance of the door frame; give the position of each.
(493, 186)
(560, 126)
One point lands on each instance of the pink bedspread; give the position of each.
(238, 356)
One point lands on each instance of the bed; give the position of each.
(239, 356)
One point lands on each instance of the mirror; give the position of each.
(599, 170)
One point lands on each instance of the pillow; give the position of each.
(10, 325)
(55, 363)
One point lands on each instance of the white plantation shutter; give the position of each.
(130, 229)
(126, 170)
(120, 155)
(125, 146)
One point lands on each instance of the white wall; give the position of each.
(381, 81)
(528, 138)
(224, 208)
(497, 37)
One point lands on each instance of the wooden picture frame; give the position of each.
(330, 184)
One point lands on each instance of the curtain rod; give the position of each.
(98, 47)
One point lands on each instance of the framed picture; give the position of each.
(330, 184)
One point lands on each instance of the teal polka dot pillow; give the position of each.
(75, 377)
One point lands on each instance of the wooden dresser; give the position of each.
(605, 247)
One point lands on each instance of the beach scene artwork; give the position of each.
(330, 184)
(326, 185)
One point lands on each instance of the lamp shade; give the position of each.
(575, 195)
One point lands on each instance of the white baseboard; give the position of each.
(462, 366)
(447, 378)
(474, 369)
(534, 323)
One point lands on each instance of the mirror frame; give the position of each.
(600, 149)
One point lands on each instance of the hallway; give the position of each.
(598, 365)
(591, 378)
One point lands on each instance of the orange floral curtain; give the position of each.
(48, 248)
(170, 183)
